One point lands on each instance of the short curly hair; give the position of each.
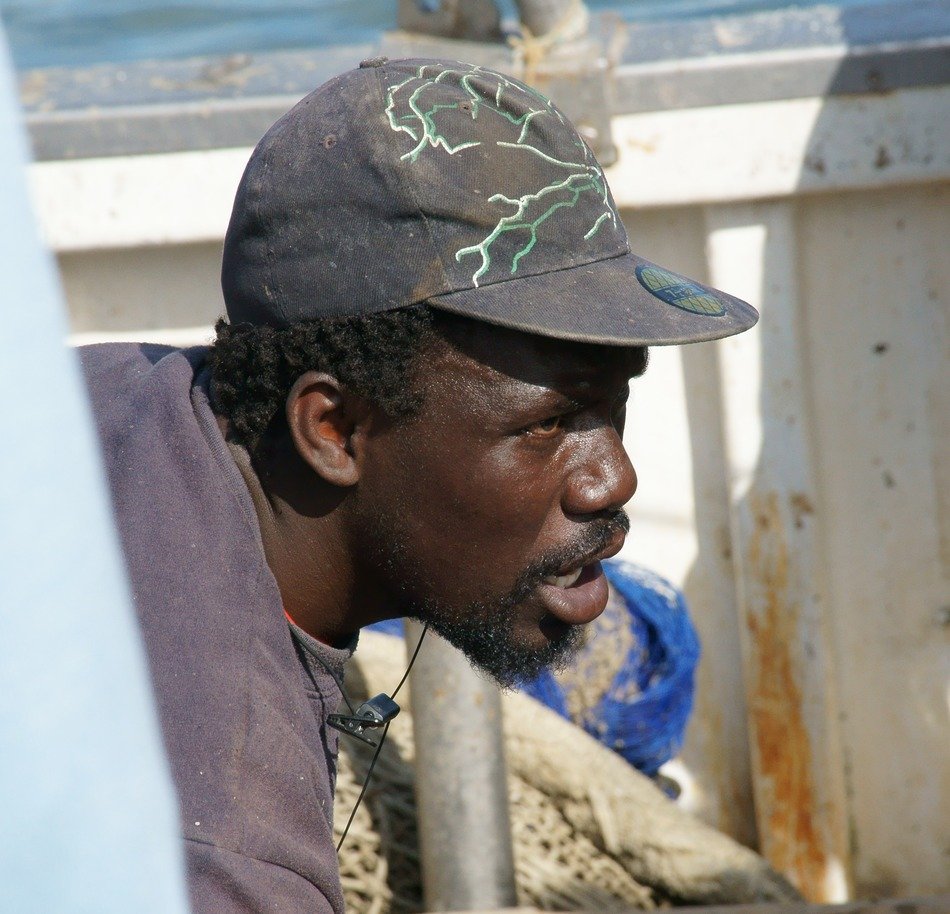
(254, 367)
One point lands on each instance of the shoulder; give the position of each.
(137, 359)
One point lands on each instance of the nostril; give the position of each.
(602, 484)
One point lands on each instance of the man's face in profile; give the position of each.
(489, 511)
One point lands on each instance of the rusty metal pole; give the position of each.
(461, 788)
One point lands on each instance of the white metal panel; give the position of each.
(772, 149)
(131, 201)
(143, 289)
(680, 528)
(778, 553)
(875, 277)
(717, 747)
(748, 151)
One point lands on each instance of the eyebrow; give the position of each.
(637, 361)
(572, 388)
(572, 392)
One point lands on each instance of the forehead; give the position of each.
(485, 357)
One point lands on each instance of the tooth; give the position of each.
(563, 580)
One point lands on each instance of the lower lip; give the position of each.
(580, 603)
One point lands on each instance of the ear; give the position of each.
(324, 420)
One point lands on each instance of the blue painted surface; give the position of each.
(76, 33)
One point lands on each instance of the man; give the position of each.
(415, 408)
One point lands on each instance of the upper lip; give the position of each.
(614, 545)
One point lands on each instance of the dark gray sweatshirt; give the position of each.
(243, 716)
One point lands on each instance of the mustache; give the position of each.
(595, 537)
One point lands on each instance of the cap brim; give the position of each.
(608, 302)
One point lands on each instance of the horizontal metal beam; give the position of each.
(776, 75)
(215, 103)
(173, 105)
(754, 151)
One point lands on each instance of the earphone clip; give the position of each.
(377, 712)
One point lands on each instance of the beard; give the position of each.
(486, 631)
(491, 647)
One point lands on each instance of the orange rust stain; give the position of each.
(792, 839)
(801, 506)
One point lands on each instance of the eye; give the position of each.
(546, 428)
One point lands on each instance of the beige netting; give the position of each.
(589, 831)
(608, 643)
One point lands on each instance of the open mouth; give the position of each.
(566, 580)
(588, 568)
(575, 596)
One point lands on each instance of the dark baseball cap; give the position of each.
(412, 181)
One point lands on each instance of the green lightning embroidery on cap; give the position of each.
(408, 111)
(679, 291)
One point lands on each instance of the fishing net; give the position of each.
(590, 832)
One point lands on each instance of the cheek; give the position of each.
(494, 493)
(475, 521)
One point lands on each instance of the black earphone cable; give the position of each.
(382, 739)
(359, 799)
(412, 660)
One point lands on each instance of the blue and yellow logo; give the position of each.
(679, 291)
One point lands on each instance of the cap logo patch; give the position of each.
(436, 106)
(679, 291)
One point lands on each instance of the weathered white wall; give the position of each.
(823, 435)
(175, 288)
(875, 315)
(795, 481)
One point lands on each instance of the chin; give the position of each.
(494, 649)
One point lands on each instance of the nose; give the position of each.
(602, 477)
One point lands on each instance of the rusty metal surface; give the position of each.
(544, 17)
(779, 548)
(796, 844)
(476, 20)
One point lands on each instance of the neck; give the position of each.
(306, 546)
